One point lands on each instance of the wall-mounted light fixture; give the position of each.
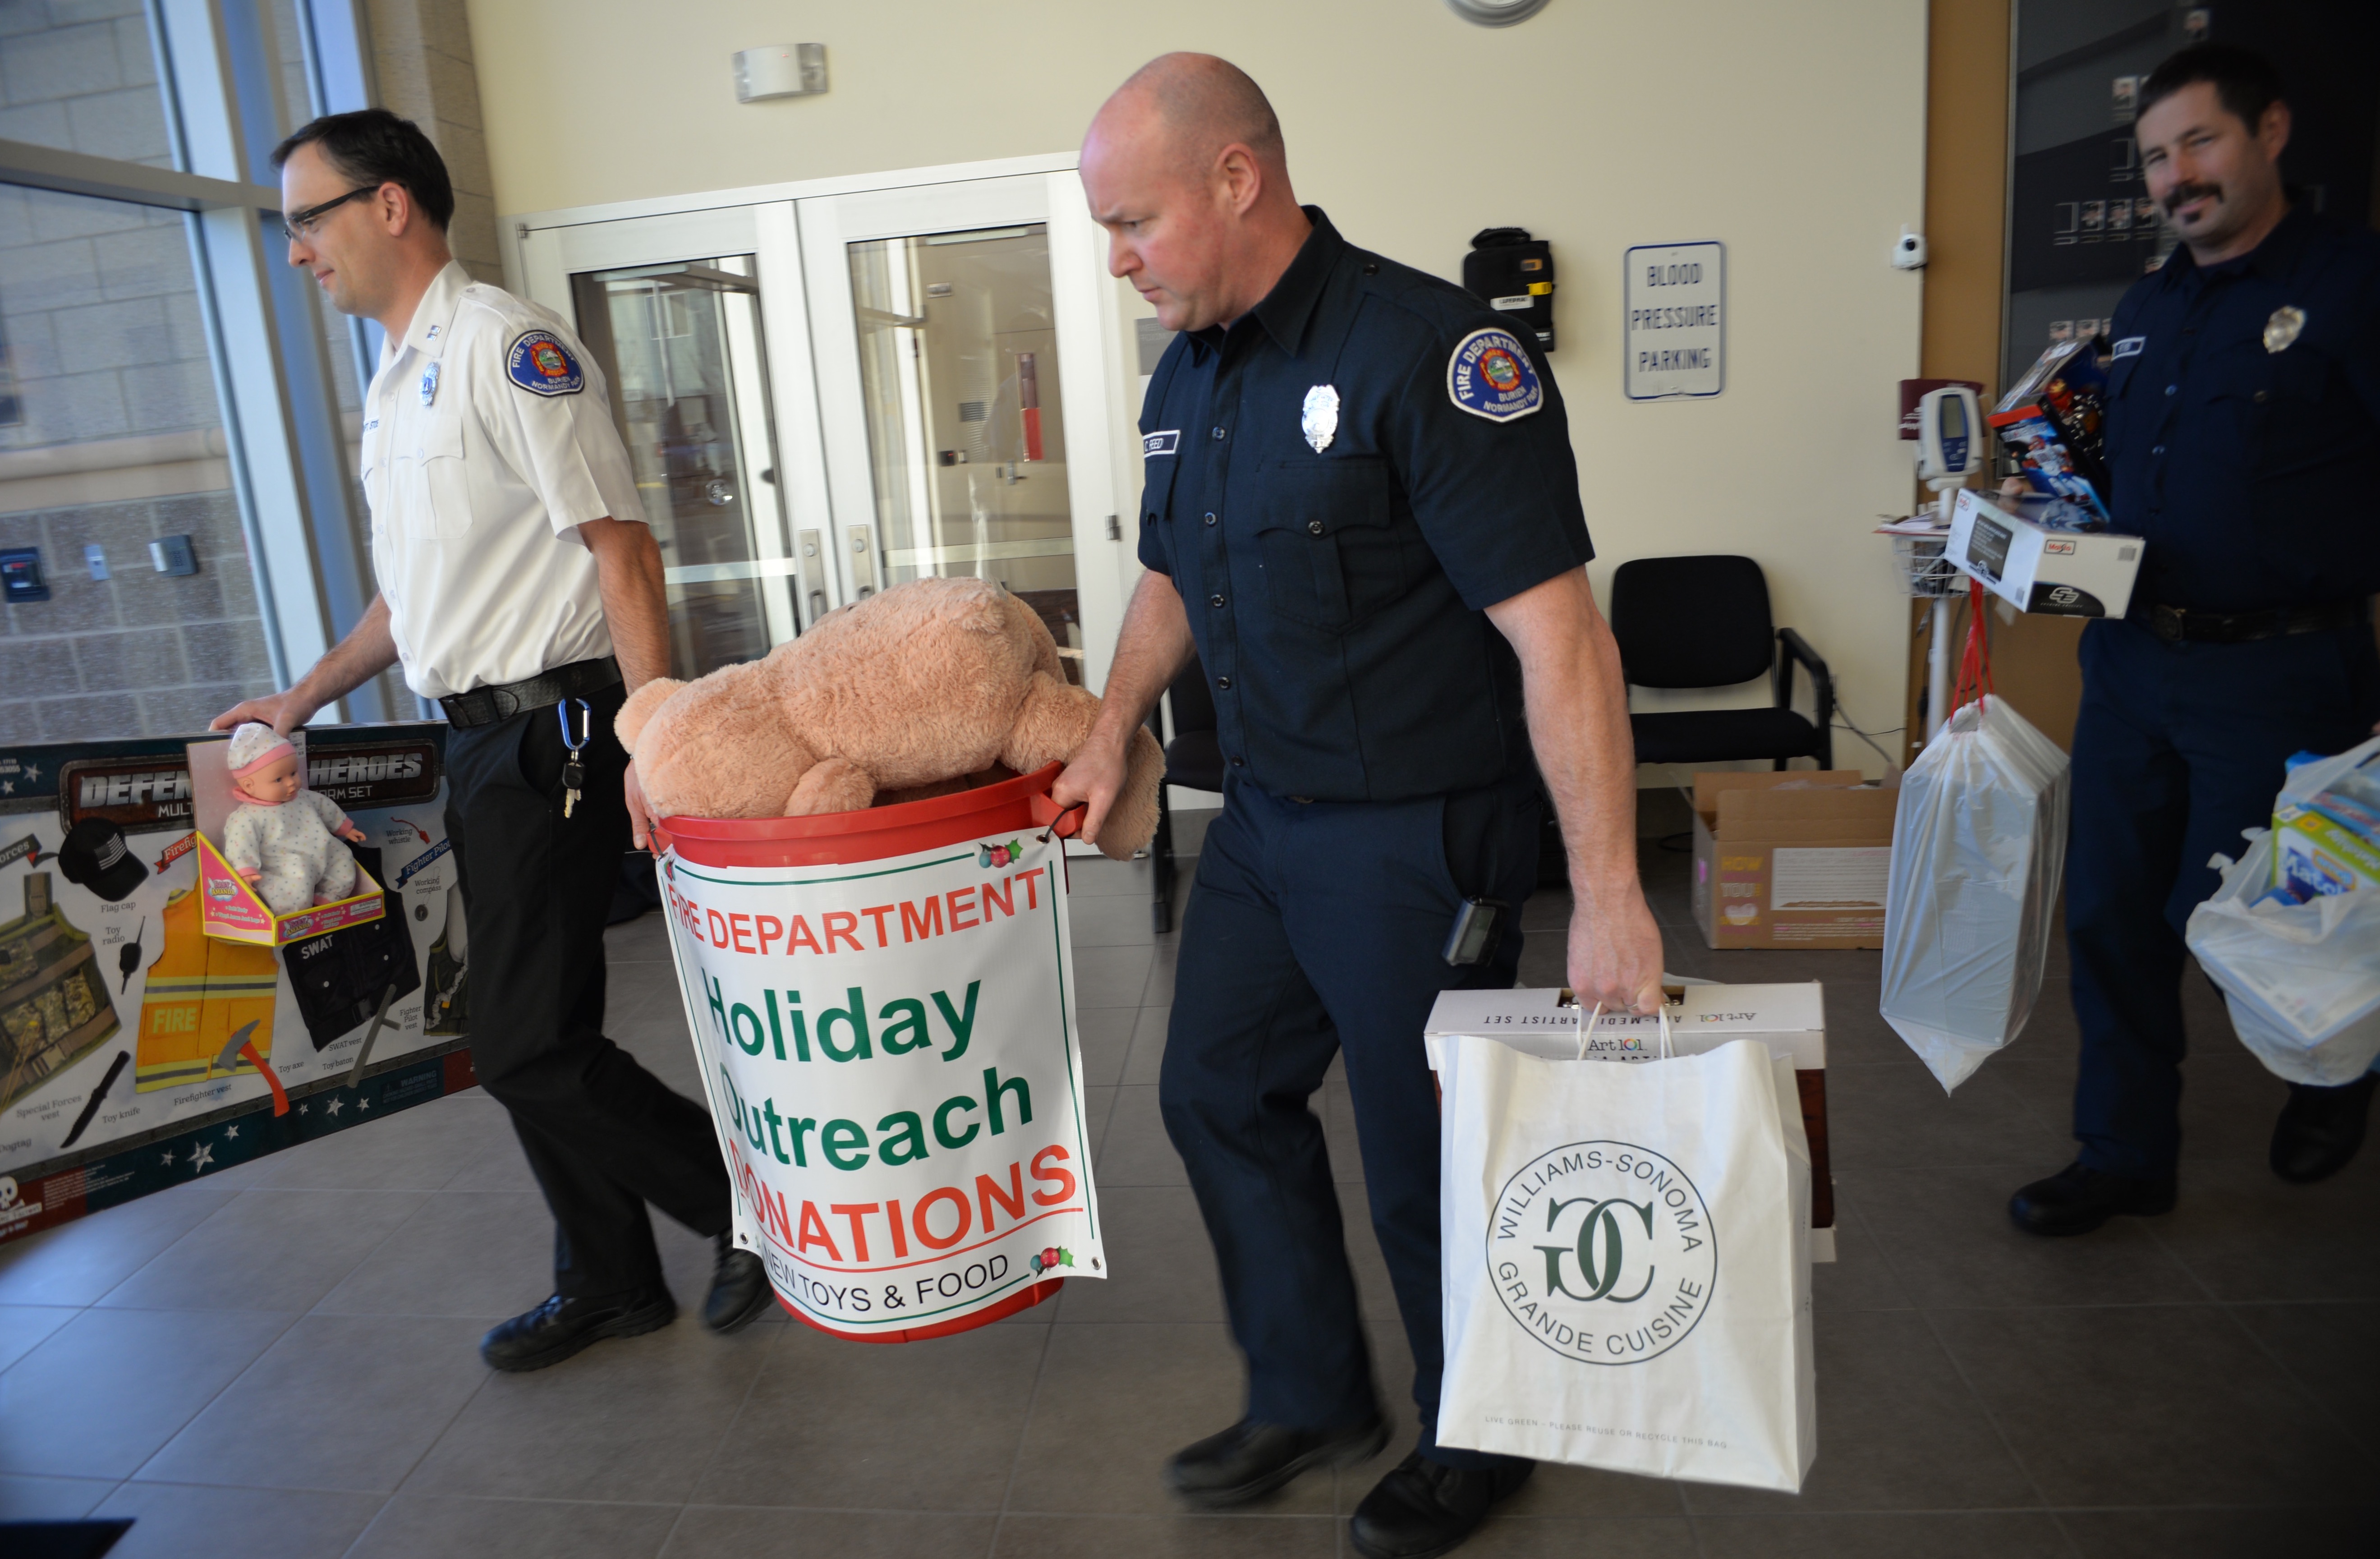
(779, 70)
(1496, 13)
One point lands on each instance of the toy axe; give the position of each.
(240, 1046)
(363, 1051)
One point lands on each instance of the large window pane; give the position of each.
(958, 369)
(119, 444)
(81, 75)
(287, 41)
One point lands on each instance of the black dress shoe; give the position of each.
(560, 1327)
(1423, 1509)
(2319, 1130)
(2077, 1199)
(739, 1288)
(1250, 1460)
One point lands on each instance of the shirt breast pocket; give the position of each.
(1156, 493)
(2286, 411)
(435, 489)
(1328, 541)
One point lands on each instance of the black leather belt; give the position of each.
(485, 706)
(2175, 625)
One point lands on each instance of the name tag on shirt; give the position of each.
(2130, 346)
(1166, 442)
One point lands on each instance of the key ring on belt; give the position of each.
(561, 713)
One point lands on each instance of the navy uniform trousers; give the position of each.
(603, 1136)
(1313, 929)
(2178, 747)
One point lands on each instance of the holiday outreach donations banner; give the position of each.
(890, 1052)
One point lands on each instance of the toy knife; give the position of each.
(90, 1105)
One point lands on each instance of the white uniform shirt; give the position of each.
(487, 440)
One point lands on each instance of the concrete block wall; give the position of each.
(141, 653)
(421, 54)
(79, 74)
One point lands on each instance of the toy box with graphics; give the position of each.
(2042, 568)
(122, 1019)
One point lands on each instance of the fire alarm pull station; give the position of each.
(1515, 274)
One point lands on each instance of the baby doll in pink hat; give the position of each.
(279, 836)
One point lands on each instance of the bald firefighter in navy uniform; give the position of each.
(1362, 508)
(2244, 425)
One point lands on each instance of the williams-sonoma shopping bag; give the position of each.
(1978, 847)
(1626, 1262)
(882, 1005)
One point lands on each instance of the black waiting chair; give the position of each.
(1703, 622)
(1193, 758)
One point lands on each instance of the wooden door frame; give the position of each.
(1970, 105)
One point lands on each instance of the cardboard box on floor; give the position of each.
(1792, 859)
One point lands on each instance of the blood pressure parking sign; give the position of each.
(1676, 324)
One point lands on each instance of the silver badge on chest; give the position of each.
(429, 383)
(2283, 327)
(1319, 420)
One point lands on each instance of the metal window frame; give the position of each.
(220, 85)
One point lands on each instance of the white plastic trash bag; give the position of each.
(1978, 846)
(2302, 980)
(1626, 1262)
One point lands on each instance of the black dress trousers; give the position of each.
(1316, 929)
(603, 1136)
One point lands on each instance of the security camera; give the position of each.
(1908, 250)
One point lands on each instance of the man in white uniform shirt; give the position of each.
(520, 587)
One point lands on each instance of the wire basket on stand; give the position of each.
(1925, 573)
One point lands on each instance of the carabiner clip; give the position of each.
(561, 713)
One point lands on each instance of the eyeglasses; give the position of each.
(300, 224)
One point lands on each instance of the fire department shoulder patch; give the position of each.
(543, 366)
(1490, 376)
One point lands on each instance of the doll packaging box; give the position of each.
(272, 869)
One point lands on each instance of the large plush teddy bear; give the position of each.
(930, 687)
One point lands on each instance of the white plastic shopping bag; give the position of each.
(2302, 980)
(1978, 847)
(1626, 1262)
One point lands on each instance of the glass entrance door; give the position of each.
(966, 442)
(860, 388)
(968, 396)
(682, 345)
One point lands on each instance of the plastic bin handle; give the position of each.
(1065, 822)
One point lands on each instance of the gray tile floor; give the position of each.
(278, 1361)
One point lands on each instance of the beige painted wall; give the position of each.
(1795, 134)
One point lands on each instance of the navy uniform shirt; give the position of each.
(1338, 593)
(2243, 422)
